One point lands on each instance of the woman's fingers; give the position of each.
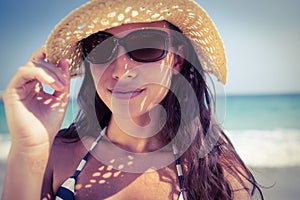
(33, 114)
(26, 75)
(64, 67)
(37, 68)
(60, 71)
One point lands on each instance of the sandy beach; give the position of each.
(285, 180)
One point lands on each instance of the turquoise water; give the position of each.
(69, 117)
(255, 112)
(264, 112)
(265, 129)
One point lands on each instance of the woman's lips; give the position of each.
(124, 93)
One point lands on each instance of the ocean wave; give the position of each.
(4, 145)
(257, 148)
(267, 148)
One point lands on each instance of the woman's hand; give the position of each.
(34, 116)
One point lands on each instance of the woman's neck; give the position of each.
(140, 134)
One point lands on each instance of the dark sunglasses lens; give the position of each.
(147, 45)
(99, 48)
(142, 46)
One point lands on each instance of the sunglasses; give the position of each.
(147, 45)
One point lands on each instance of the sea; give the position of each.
(264, 129)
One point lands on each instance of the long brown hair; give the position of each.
(207, 152)
(210, 153)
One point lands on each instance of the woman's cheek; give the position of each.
(98, 73)
(157, 74)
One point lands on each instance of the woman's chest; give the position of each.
(99, 181)
(119, 176)
(109, 183)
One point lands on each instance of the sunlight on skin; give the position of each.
(143, 103)
(38, 87)
(116, 174)
(39, 99)
(120, 167)
(130, 157)
(48, 101)
(135, 163)
(119, 159)
(126, 111)
(107, 175)
(55, 105)
(155, 77)
(151, 176)
(96, 174)
(78, 186)
(130, 163)
(165, 82)
(93, 181)
(58, 105)
(109, 167)
(141, 162)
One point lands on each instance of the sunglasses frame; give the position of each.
(122, 41)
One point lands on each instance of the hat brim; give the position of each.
(98, 15)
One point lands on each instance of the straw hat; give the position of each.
(98, 15)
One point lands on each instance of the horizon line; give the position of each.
(231, 94)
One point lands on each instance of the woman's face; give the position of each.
(130, 87)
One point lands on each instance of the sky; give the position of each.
(261, 37)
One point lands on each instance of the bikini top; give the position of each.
(67, 190)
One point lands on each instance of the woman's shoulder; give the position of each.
(68, 141)
(68, 147)
(68, 133)
(66, 154)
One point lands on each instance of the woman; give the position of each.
(145, 129)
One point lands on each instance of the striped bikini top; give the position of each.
(67, 190)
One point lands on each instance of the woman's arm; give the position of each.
(34, 117)
(24, 173)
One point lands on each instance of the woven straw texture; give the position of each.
(98, 15)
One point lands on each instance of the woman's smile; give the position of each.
(125, 92)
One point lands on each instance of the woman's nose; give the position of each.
(123, 65)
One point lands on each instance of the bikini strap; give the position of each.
(67, 189)
(183, 194)
(85, 158)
